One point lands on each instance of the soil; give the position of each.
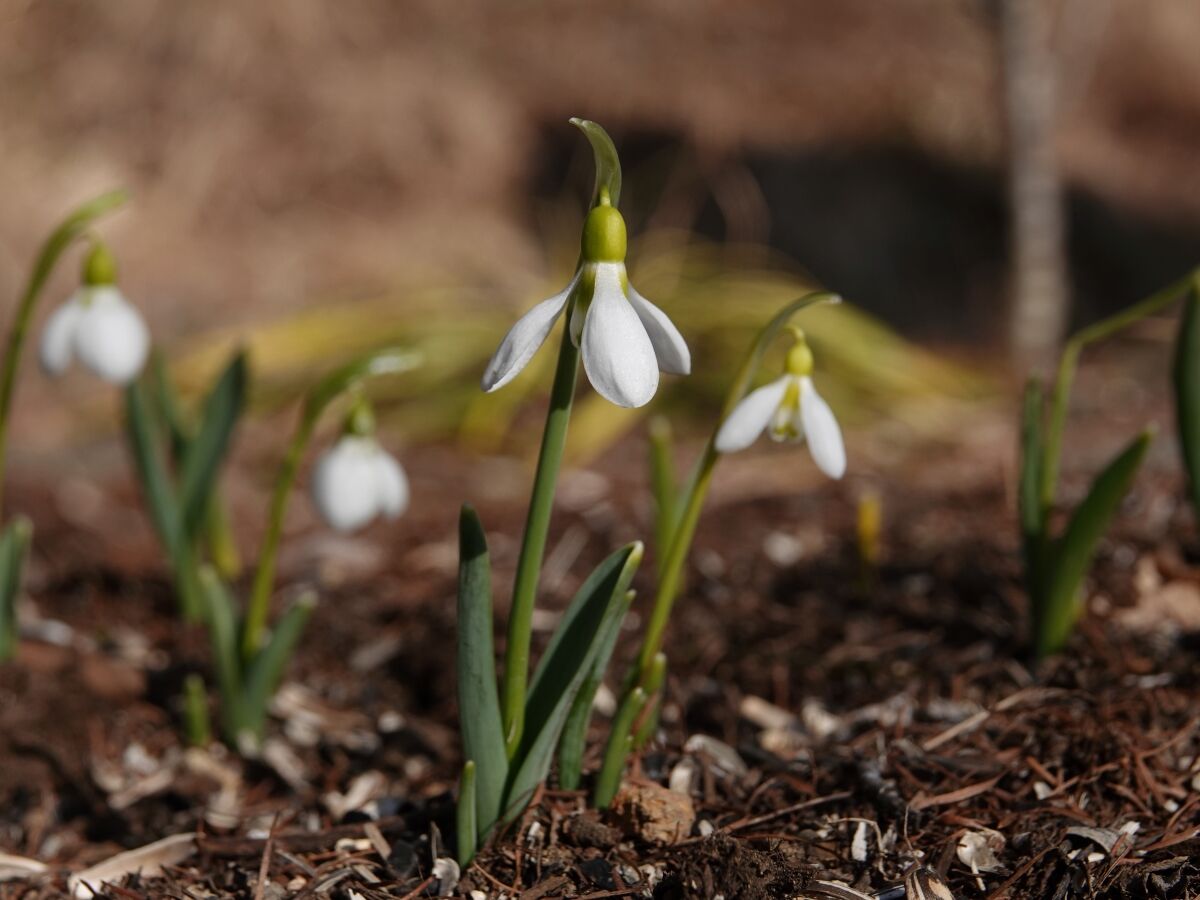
(833, 724)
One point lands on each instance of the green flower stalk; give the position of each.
(510, 732)
(791, 406)
(71, 229)
(82, 338)
(1055, 566)
(346, 379)
(623, 340)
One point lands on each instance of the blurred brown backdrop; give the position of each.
(288, 153)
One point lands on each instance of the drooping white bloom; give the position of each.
(624, 338)
(100, 327)
(788, 409)
(357, 480)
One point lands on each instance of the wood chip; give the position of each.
(148, 860)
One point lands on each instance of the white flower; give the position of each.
(103, 329)
(357, 480)
(625, 339)
(793, 410)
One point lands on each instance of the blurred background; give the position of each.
(316, 178)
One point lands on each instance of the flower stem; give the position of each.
(533, 543)
(389, 361)
(60, 239)
(1069, 362)
(264, 575)
(676, 553)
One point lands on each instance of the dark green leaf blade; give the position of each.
(1071, 555)
(266, 670)
(478, 698)
(1186, 375)
(221, 619)
(1028, 497)
(602, 598)
(574, 734)
(145, 440)
(14, 544)
(206, 451)
(467, 826)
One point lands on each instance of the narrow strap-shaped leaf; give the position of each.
(1186, 375)
(654, 691)
(195, 711)
(478, 698)
(569, 658)
(207, 450)
(146, 441)
(620, 743)
(608, 164)
(1072, 553)
(574, 735)
(1032, 513)
(266, 670)
(465, 821)
(170, 409)
(14, 544)
(221, 619)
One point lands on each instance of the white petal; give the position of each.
(110, 337)
(391, 485)
(524, 338)
(345, 489)
(669, 345)
(58, 337)
(824, 435)
(751, 416)
(617, 354)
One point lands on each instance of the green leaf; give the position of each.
(146, 441)
(222, 630)
(14, 544)
(574, 734)
(1032, 513)
(169, 408)
(1186, 375)
(620, 743)
(266, 670)
(567, 661)
(478, 699)
(1071, 555)
(654, 691)
(608, 164)
(466, 823)
(195, 711)
(206, 451)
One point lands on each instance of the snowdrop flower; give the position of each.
(625, 339)
(97, 325)
(357, 480)
(789, 409)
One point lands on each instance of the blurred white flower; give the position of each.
(789, 409)
(100, 327)
(357, 480)
(625, 339)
